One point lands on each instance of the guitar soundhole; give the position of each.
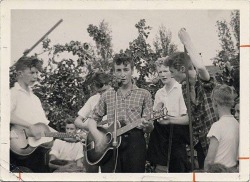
(109, 138)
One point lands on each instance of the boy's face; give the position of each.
(237, 112)
(164, 74)
(214, 104)
(28, 76)
(123, 73)
(70, 128)
(179, 76)
(102, 89)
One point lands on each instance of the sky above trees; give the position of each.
(27, 26)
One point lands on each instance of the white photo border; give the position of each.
(7, 6)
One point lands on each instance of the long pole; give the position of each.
(189, 111)
(41, 39)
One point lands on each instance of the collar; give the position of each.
(176, 85)
(18, 87)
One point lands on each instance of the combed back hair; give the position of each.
(224, 95)
(124, 59)
(69, 121)
(101, 79)
(177, 60)
(28, 62)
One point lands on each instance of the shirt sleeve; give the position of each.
(100, 109)
(13, 100)
(86, 109)
(43, 115)
(183, 108)
(55, 148)
(214, 131)
(147, 106)
(79, 154)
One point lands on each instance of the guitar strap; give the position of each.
(170, 139)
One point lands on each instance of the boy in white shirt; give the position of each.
(70, 153)
(224, 134)
(169, 96)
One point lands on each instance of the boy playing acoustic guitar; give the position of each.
(133, 104)
(26, 112)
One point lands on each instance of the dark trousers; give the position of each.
(200, 155)
(131, 154)
(179, 160)
(35, 162)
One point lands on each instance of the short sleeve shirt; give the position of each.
(26, 105)
(67, 151)
(226, 131)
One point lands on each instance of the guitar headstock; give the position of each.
(160, 113)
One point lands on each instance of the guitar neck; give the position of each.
(58, 135)
(131, 126)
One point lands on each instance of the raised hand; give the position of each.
(184, 36)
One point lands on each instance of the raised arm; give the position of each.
(194, 55)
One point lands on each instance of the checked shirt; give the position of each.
(202, 112)
(137, 103)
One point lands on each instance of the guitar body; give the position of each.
(21, 145)
(98, 152)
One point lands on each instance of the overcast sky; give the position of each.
(28, 26)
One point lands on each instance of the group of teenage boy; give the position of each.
(215, 129)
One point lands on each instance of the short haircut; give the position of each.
(224, 95)
(69, 121)
(177, 60)
(124, 59)
(101, 79)
(28, 62)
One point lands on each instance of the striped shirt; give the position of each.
(137, 103)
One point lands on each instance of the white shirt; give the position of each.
(226, 131)
(67, 151)
(26, 105)
(173, 100)
(89, 106)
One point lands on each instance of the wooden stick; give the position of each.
(189, 111)
(41, 39)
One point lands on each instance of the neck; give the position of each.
(170, 84)
(127, 86)
(224, 111)
(24, 86)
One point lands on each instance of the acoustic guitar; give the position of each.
(98, 154)
(23, 143)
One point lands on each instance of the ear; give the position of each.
(19, 73)
(183, 69)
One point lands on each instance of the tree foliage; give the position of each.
(162, 43)
(228, 57)
(102, 36)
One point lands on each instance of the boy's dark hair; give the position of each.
(28, 62)
(177, 60)
(101, 79)
(124, 59)
(224, 95)
(69, 121)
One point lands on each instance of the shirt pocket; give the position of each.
(134, 112)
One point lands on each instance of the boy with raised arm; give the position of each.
(201, 86)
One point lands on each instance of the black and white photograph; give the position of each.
(146, 90)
